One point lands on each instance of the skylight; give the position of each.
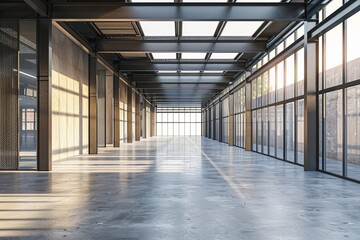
(213, 72)
(225, 56)
(151, 1)
(193, 55)
(158, 28)
(190, 71)
(199, 28)
(240, 28)
(205, 1)
(164, 55)
(167, 71)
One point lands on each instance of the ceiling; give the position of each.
(184, 51)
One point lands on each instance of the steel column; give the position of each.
(310, 103)
(44, 120)
(129, 114)
(137, 117)
(116, 88)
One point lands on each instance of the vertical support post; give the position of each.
(137, 117)
(145, 119)
(248, 117)
(93, 138)
(152, 121)
(310, 103)
(116, 88)
(231, 120)
(44, 141)
(129, 114)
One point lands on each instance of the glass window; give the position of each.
(353, 49)
(280, 131)
(259, 130)
(272, 130)
(300, 132)
(265, 88)
(258, 90)
(300, 72)
(254, 131)
(333, 130)
(272, 85)
(265, 129)
(164, 55)
(290, 64)
(280, 82)
(333, 57)
(290, 132)
(353, 132)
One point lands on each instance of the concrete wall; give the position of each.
(69, 98)
(101, 106)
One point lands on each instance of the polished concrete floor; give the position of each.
(177, 188)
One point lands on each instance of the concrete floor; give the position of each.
(177, 188)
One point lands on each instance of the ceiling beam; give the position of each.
(202, 46)
(141, 66)
(182, 86)
(194, 79)
(38, 6)
(119, 11)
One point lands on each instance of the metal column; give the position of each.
(116, 88)
(93, 139)
(129, 114)
(310, 103)
(137, 117)
(44, 50)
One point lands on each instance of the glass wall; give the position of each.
(27, 95)
(225, 120)
(178, 121)
(339, 84)
(277, 107)
(239, 117)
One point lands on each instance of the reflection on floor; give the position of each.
(177, 188)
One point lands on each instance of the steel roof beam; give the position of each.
(119, 11)
(202, 46)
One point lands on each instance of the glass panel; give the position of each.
(259, 131)
(242, 28)
(27, 95)
(320, 59)
(280, 131)
(272, 86)
(300, 72)
(199, 28)
(353, 132)
(265, 88)
(353, 49)
(333, 57)
(300, 132)
(254, 131)
(290, 64)
(265, 129)
(227, 56)
(272, 129)
(158, 28)
(290, 132)
(193, 55)
(280, 82)
(321, 132)
(253, 93)
(164, 55)
(333, 130)
(258, 90)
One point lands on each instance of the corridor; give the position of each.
(177, 188)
